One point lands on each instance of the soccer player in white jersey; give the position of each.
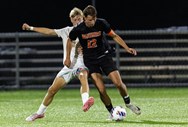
(77, 70)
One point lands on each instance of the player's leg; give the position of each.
(116, 79)
(96, 76)
(57, 84)
(84, 89)
(83, 77)
(62, 78)
(109, 68)
(98, 81)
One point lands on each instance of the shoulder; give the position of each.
(68, 28)
(64, 30)
(78, 27)
(102, 22)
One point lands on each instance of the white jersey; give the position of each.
(77, 63)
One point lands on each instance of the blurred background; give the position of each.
(122, 14)
(156, 29)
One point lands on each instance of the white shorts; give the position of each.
(68, 74)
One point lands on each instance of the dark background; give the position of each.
(121, 14)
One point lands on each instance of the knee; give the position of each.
(119, 84)
(52, 91)
(83, 74)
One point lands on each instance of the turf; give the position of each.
(161, 107)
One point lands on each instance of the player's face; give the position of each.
(76, 20)
(89, 21)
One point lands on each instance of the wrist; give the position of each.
(31, 28)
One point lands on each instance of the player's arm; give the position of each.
(121, 42)
(43, 30)
(67, 61)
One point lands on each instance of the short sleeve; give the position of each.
(73, 34)
(106, 26)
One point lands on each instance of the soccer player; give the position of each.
(90, 34)
(77, 70)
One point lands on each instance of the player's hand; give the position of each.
(25, 26)
(132, 51)
(67, 63)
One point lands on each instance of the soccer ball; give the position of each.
(119, 113)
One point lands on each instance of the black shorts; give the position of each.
(104, 65)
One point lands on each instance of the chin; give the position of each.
(90, 25)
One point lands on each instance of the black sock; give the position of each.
(127, 99)
(109, 108)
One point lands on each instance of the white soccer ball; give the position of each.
(119, 113)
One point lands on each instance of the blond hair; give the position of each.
(75, 11)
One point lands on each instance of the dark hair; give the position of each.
(90, 10)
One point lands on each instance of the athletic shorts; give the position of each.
(68, 74)
(104, 65)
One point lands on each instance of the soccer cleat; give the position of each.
(33, 117)
(134, 109)
(88, 104)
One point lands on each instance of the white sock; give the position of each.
(85, 97)
(41, 109)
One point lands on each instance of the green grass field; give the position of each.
(161, 107)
